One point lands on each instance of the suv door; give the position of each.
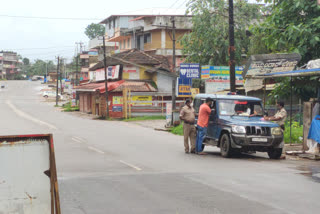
(213, 122)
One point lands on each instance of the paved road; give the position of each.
(117, 167)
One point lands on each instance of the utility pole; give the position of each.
(173, 63)
(61, 90)
(232, 49)
(106, 75)
(57, 93)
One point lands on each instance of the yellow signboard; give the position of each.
(140, 99)
(194, 92)
(117, 100)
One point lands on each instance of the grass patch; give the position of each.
(145, 118)
(178, 130)
(68, 108)
(297, 132)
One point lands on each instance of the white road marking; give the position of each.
(95, 149)
(29, 117)
(131, 165)
(76, 140)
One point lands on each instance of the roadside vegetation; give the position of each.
(145, 118)
(297, 132)
(68, 108)
(178, 130)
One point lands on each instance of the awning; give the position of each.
(94, 87)
(295, 73)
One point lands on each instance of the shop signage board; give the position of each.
(142, 100)
(189, 70)
(117, 100)
(112, 73)
(184, 87)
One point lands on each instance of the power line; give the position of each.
(174, 3)
(22, 49)
(53, 18)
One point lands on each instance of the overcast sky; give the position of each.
(47, 38)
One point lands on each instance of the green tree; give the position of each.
(26, 61)
(292, 26)
(208, 42)
(94, 30)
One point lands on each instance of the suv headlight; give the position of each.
(276, 131)
(239, 129)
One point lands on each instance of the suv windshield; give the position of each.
(240, 108)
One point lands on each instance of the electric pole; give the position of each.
(174, 81)
(61, 90)
(232, 49)
(106, 75)
(57, 93)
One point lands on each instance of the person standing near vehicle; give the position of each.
(280, 118)
(187, 114)
(202, 125)
(281, 115)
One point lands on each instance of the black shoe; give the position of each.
(186, 152)
(193, 152)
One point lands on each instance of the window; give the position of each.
(120, 45)
(240, 108)
(124, 44)
(109, 25)
(147, 38)
(128, 42)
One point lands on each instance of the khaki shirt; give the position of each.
(281, 114)
(187, 114)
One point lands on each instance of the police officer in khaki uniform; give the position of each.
(187, 114)
(280, 117)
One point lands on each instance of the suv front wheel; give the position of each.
(275, 153)
(225, 145)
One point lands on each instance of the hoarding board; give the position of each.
(212, 85)
(194, 92)
(28, 178)
(189, 70)
(270, 63)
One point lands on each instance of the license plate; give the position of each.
(259, 139)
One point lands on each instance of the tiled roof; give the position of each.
(132, 57)
(134, 86)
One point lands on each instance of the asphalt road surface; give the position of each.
(118, 167)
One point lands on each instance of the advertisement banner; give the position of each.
(112, 73)
(142, 99)
(168, 113)
(117, 108)
(189, 70)
(213, 85)
(220, 72)
(117, 100)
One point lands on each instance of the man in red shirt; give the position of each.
(203, 120)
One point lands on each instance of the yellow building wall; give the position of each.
(147, 76)
(155, 41)
(179, 35)
(125, 76)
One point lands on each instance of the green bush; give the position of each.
(68, 108)
(145, 118)
(297, 132)
(178, 130)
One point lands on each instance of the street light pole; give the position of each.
(232, 49)
(57, 93)
(106, 76)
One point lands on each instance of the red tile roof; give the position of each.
(134, 86)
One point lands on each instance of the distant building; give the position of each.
(87, 58)
(8, 64)
(149, 30)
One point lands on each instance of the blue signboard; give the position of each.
(117, 108)
(189, 70)
(184, 87)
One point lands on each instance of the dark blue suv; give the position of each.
(236, 125)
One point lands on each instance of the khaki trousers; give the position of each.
(189, 131)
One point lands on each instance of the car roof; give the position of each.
(226, 97)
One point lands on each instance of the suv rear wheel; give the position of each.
(275, 153)
(225, 146)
